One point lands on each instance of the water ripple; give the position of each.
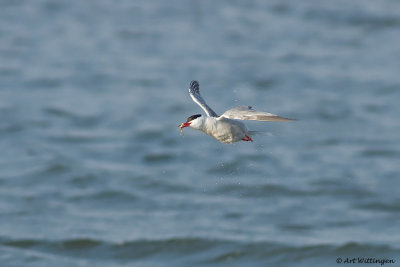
(380, 152)
(198, 250)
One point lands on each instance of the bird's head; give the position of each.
(194, 121)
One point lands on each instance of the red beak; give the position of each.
(185, 124)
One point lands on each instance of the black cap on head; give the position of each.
(193, 117)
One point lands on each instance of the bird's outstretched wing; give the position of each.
(248, 113)
(194, 92)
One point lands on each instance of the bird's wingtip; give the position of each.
(194, 85)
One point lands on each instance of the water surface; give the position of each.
(94, 171)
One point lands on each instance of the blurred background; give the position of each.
(94, 171)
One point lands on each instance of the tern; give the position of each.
(228, 127)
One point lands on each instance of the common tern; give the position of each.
(228, 127)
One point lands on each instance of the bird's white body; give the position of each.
(226, 128)
(223, 129)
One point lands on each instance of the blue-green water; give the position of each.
(94, 171)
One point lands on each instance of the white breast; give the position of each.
(225, 130)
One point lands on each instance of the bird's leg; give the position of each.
(248, 138)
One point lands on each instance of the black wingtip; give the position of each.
(194, 85)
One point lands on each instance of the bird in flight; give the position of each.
(227, 128)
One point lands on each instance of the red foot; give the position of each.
(248, 138)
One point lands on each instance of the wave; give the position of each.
(199, 250)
